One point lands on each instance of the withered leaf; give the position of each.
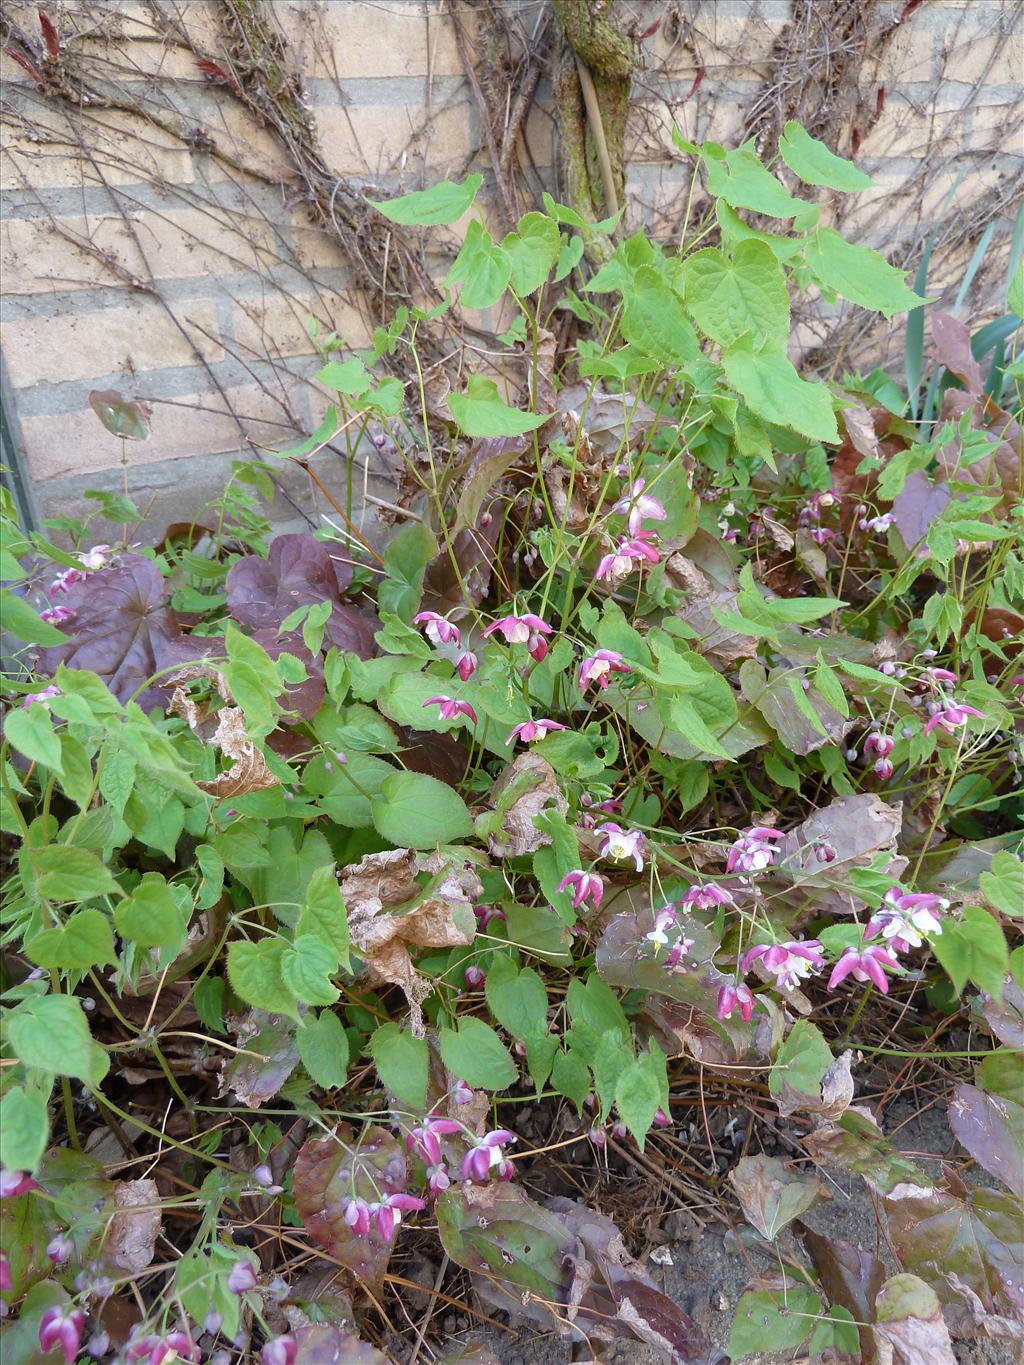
(134, 1228)
(269, 1057)
(525, 788)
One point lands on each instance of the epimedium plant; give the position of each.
(679, 721)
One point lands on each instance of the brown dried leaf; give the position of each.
(909, 1329)
(249, 772)
(388, 913)
(319, 1344)
(131, 1240)
(771, 1195)
(857, 827)
(530, 781)
(953, 349)
(860, 428)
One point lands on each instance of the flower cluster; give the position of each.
(879, 747)
(88, 563)
(382, 1214)
(526, 630)
(664, 920)
(753, 851)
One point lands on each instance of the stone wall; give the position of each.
(157, 238)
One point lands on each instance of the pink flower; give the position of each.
(884, 769)
(517, 630)
(951, 716)
(638, 506)
(465, 665)
(1018, 681)
(462, 1093)
(661, 1119)
(6, 1278)
(598, 668)
(438, 629)
(904, 917)
(475, 977)
(537, 646)
(626, 554)
(485, 913)
(95, 559)
(450, 709)
(438, 1179)
(242, 1277)
(279, 1351)
(424, 1139)
(789, 962)
(487, 1154)
(65, 580)
(531, 730)
(705, 897)
(62, 1326)
(55, 616)
(879, 524)
(44, 696)
(60, 1249)
(678, 950)
(388, 1213)
(942, 675)
(13, 1183)
(620, 844)
(864, 964)
(662, 920)
(878, 746)
(584, 886)
(356, 1214)
(736, 996)
(752, 851)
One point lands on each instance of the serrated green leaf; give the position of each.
(414, 810)
(741, 295)
(150, 916)
(743, 182)
(256, 976)
(532, 250)
(402, 1063)
(442, 203)
(71, 874)
(51, 1033)
(30, 731)
(323, 916)
(25, 1129)
(1003, 885)
(323, 1048)
(25, 624)
(801, 1061)
(474, 1053)
(638, 1095)
(480, 411)
(655, 320)
(768, 1321)
(973, 949)
(516, 998)
(815, 164)
(85, 940)
(772, 389)
(306, 968)
(859, 274)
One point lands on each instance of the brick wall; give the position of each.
(134, 257)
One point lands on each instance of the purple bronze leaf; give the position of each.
(306, 697)
(850, 1277)
(297, 572)
(121, 416)
(323, 1345)
(917, 506)
(991, 1127)
(331, 1171)
(953, 349)
(123, 630)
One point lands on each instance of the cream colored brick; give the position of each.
(189, 243)
(998, 127)
(726, 44)
(354, 38)
(84, 345)
(277, 326)
(909, 53)
(76, 442)
(994, 57)
(906, 131)
(236, 132)
(36, 259)
(42, 151)
(375, 140)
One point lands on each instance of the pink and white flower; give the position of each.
(450, 709)
(638, 506)
(878, 746)
(438, 629)
(518, 630)
(462, 1093)
(531, 730)
(705, 897)
(739, 996)
(584, 886)
(627, 553)
(662, 921)
(864, 964)
(95, 559)
(487, 1155)
(753, 851)
(62, 1326)
(905, 916)
(387, 1213)
(44, 696)
(789, 962)
(356, 1215)
(64, 580)
(475, 977)
(438, 1179)
(465, 665)
(620, 844)
(14, 1183)
(60, 1249)
(951, 716)
(598, 668)
(943, 675)
(56, 616)
(424, 1139)
(280, 1350)
(242, 1277)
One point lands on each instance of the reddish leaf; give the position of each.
(917, 506)
(1005, 1017)
(621, 1295)
(910, 1324)
(330, 1170)
(972, 1234)
(121, 416)
(50, 35)
(953, 349)
(322, 1345)
(124, 630)
(850, 1277)
(857, 1145)
(26, 65)
(991, 1127)
(297, 572)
